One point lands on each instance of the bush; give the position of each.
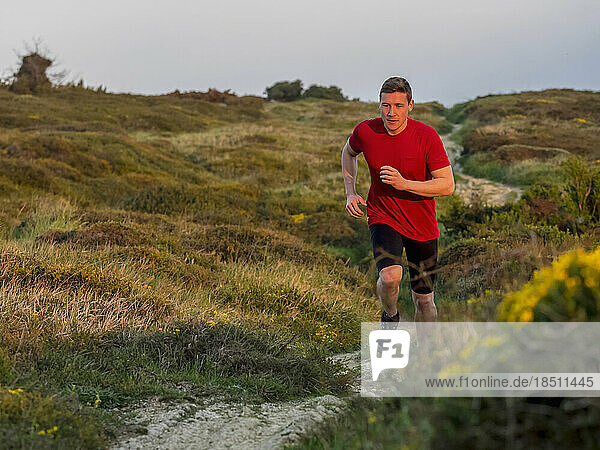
(285, 91)
(32, 420)
(568, 290)
(461, 218)
(543, 204)
(31, 77)
(330, 93)
(462, 252)
(583, 188)
(477, 140)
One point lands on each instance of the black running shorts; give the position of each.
(421, 255)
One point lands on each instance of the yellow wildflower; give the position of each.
(297, 217)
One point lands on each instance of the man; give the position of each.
(409, 167)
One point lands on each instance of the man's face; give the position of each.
(394, 109)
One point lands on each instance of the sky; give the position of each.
(450, 51)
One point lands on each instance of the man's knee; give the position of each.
(390, 275)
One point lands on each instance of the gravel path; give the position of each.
(221, 425)
(472, 188)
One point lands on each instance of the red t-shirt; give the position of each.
(415, 153)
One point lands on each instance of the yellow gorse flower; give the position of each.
(54, 429)
(573, 276)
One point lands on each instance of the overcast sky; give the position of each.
(450, 51)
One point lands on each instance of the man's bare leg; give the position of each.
(425, 310)
(388, 288)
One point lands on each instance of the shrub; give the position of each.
(32, 420)
(330, 93)
(461, 218)
(226, 97)
(568, 290)
(543, 204)
(285, 91)
(583, 188)
(31, 77)
(462, 251)
(479, 141)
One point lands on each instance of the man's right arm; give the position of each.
(350, 170)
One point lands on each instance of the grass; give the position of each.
(168, 246)
(415, 423)
(521, 139)
(227, 360)
(523, 173)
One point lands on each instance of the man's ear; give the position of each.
(411, 105)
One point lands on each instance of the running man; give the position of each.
(409, 167)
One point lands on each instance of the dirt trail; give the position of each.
(222, 425)
(471, 188)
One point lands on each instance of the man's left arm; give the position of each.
(441, 184)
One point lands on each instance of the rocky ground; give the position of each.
(220, 425)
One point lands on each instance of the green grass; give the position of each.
(416, 423)
(521, 139)
(230, 361)
(168, 246)
(521, 173)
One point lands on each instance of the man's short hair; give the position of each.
(396, 84)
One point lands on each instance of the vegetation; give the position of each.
(31, 77)
(287, 91)
(521, 139)
(196, 244)
(567, 290)
(458, 423)
(330, 93)
(534, 259)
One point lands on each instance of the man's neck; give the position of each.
(398, 131)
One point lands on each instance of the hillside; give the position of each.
(522, 138)
(170, 247)
(139, 234)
